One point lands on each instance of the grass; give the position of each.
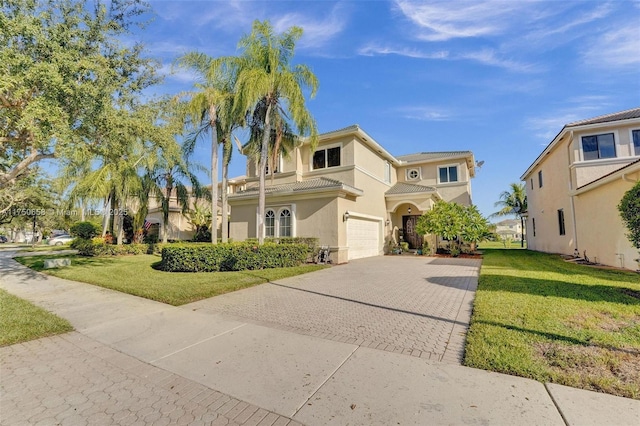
(500, 245)
(537, 316)
(136, 275)
(21, 321)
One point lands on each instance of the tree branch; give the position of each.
(18, 169)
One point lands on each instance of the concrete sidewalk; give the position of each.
(130, 357)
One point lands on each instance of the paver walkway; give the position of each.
(416, 306)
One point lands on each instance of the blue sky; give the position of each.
(497, 78)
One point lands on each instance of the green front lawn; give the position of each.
(136, 275)
(21, 321)
(537, 316)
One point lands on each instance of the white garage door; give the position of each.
(363, 238)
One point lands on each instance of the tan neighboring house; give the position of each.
(509, 228)
(351, 193)
(576, 184)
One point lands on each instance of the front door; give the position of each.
(410, 234)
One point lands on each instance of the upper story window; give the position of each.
(413, 174)
(277, 165)
(531, 183)
(327, 157)
(598, 146)
(540, 179)
(448, 174)
(635, 134)
(387, 172)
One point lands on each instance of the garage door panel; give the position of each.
(363, 238)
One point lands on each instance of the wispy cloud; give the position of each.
(376, 49)
(444, 20)
(425, 113)
(577, 108)
(615, 48)
(317, 32)
(488, 57)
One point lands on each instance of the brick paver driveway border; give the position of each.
(419, 306)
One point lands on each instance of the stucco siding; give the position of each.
(544, 203)
(601, 232)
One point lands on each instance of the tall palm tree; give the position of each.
(202, 113)
(268, 77)
(513, 202)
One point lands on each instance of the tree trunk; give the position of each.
(105, 215)
(119, 222)
(165, 214)
(262, 168)
(213, 119)
(225, 207)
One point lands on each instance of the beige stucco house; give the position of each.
(509, 228)
(575, 185)
(351, 193)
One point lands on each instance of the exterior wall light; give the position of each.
(409, 210)
(345, 217)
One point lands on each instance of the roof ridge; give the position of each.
(603, 116)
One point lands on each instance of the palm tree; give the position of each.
(513, 202)
(167, 177)
(268, 78)
(203, 114)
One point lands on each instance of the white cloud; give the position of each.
(317, 32)
(487, 56)
(425, 113)
(178, 74)
(375, 49)
(615, 48)
(445, 20)
(577, 108)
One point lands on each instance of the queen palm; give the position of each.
(267, 77)
(513, 202)
(203, 108)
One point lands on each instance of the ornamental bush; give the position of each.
(84, 230)
(98, 247)
(629, 208)
(242, 256)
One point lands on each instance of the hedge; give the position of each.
(232, 256)
(97, 247)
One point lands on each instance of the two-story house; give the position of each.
(509, 228)
(576, 184)
(351, 193)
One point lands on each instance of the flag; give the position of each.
(147, 225)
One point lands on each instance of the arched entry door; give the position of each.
(410, 235)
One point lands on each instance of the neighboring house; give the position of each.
(179, 226)
(509, 228)
(351, 193)
(576, 184)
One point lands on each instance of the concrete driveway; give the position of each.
(413, 305)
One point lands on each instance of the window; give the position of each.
(285, 223)
(387, 172)
(324, 158)
(270, 224)
(277, 165)
(448, 174)
(636, 141)
(533, 221)
(561, 222)
(540, 179)
(413, 174)
(598, 146)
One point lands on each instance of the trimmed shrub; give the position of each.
(231, 256)
(98, 247)
(84, 230)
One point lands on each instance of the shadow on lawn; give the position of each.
(557, 337)
(556, 288)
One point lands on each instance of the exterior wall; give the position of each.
(545, 202)
(588, 171)
(601, 232)
(179, 227)
(458, 192)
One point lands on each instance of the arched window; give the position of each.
(270, 224)
(285, 223)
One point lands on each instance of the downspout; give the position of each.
(571, 199)
(628, 179)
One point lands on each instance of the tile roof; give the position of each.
(319, 183)
(616, 116)
(408, 188)
(426, 156)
